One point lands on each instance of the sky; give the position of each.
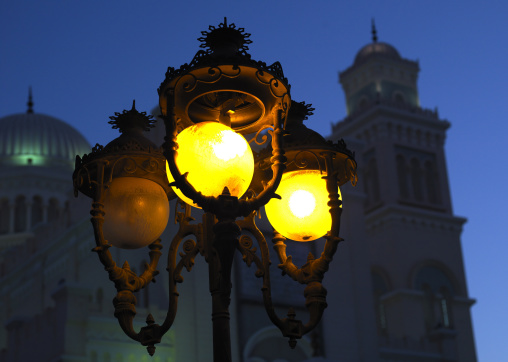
(87, 60)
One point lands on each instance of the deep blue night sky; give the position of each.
(87, 60)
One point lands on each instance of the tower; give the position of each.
(413, 242)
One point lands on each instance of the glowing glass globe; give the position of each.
(215, 157)
(136, 212)
(302, 214)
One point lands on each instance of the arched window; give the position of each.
(435, 277)
(432, 183)
(268, 344)
(402, 177)
(380, 288)
(20, 214)
(445, 307)
(5, 216)
(428, 306)
(416, 179)
(438, 290)
(53, 209)
(37, 210)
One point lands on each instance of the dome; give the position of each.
(376, 49)
(39, 140)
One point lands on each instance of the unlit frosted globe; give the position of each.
(215, 157)
(136, 212)
(303, 213)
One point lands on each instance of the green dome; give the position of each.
(34, 139)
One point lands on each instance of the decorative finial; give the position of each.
(225, 39)
(374, 32)
(131, 120)
(299, 112)
(30, 103)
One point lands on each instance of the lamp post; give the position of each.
(210, 107)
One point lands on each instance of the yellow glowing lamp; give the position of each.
(302, 213)
(136, 212)
(215, 157)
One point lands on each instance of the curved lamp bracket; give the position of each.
(311, 273)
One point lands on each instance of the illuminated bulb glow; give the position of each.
(302, 213)
(215, 157)
(302, 203)
(230, 145)
(136, 212)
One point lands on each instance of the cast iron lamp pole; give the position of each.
(219, 96)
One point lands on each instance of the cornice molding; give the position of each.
(409, 215)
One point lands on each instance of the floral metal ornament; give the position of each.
(224, 34)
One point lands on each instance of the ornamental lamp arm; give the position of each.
(278, 166)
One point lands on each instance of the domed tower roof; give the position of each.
(379, 74)
(376, 49)
(39, 140)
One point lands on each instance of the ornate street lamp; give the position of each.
(210, 107)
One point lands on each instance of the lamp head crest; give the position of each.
(225, 40)
(131, 119)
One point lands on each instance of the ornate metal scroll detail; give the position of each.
(351, 168)
(264, 137)
(314, 293)
(248, 251)
(225, 42)
(213, 75)
(311, 273)
(144, 165)
(190, 247)
(264, 76)
(303, 158)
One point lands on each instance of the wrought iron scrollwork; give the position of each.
(248, 251)
(301, 160)
(127, 282)
(259, 133)
(310, 274)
